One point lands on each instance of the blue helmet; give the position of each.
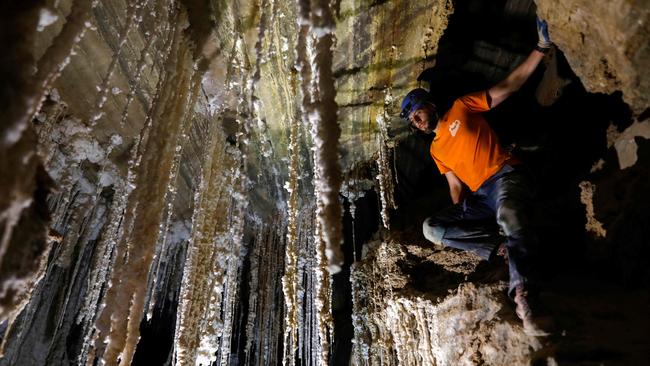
(415, 99)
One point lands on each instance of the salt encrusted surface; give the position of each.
(587, 190)
(290, 278)
(385, 176)
(26, 82)
(133, 18)
(124, 303)
(128, 201)
(208, 271)
(397, 324)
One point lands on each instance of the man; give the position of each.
(486, 183)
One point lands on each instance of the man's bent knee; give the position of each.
(433, 232)
(510, 219)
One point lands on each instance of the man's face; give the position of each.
(424, 119)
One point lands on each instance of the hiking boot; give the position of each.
(535, 324)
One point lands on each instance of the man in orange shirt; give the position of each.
(486, 183)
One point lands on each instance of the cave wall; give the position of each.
(126, 137)
(606, 44)
(165, 171)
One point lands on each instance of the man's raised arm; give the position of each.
(519, 75)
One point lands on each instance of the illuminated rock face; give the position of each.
(170, 177)
(444, 323)
(605, 43)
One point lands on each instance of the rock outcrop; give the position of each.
(413, 307)
(606, 44)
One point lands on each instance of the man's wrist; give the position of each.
(542, 49)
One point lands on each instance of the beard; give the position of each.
(432, 123)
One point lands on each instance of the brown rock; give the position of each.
(606, 44)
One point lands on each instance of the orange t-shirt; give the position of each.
(465, 143)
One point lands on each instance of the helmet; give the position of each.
(415, 99)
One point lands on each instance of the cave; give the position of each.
(200, 182)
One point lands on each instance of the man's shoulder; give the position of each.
(472, 103)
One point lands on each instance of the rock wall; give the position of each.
(606, 44)
(402, 318)
(140, 164)
(163, 187)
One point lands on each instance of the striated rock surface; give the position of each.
(382, 47)
(412, 307)
(158, 165)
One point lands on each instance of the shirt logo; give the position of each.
(453, 127)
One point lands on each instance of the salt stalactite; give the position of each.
(385, 176)
(322, 299)
(210, 272)
(319, 110)
(162, 28)
(133, 18)
(264, 319)
(17, 148)
(322, 115)
(260, 309)
(79, 209)
(269, 320)
(29, 285)
(225, 265)
(305, 293)
(353, 214)
(196, 270)
(29, 313)
(209, 287)
(124, 301)
(77, 205)
(170, 194)
(117, 225)
(81, 195)
(101, 269)
(290, 279)
(254, 80)
(230, 280)
(256, 289)
(226, 282)
(308, 316)
(355, 188)
(261, 131)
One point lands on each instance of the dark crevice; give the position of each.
(356, 232)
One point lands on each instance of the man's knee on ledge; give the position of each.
(433, 232)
